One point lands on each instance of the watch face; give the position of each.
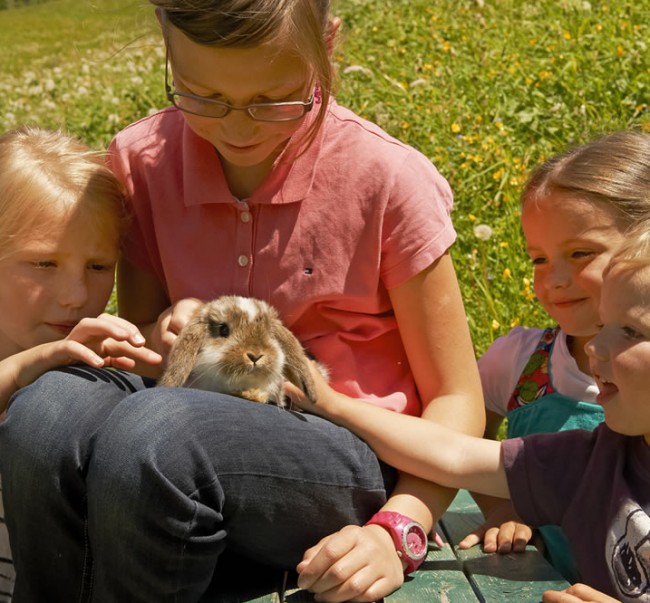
(415, 541)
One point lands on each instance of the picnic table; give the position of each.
(448, 575)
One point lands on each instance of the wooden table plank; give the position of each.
(440, 579)
(521, 577)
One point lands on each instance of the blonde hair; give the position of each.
(300, 26)
(613, 169)
(634, 253)
(46, 174)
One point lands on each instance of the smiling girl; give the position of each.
(576, 209)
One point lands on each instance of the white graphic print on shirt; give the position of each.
(628, 552)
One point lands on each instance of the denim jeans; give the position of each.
(118, 495)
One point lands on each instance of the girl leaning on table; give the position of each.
(255, 182)
(576, 209)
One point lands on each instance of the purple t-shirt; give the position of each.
(596, 485)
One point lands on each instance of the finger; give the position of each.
(523, 534)
(106, 325)
(123, 349)
(505, 537)
(123, 363)
(490, 544)
(133, 333)
(181, 313)
(362, 586)
(68, 352)
(437, 539)
(472, 539)
(320, 559)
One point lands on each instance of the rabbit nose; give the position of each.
(254, 357)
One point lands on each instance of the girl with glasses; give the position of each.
(256, 182)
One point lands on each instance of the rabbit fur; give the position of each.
(238, 345)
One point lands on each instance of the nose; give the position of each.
(73, 291)
(254, 357)
(595, 348)
(239, 126)
(558, 275)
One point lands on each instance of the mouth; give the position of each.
(62, 327)
(569, 303)
(607, 391)
(234, 148)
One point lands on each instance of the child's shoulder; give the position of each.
(520, 340)
(347, 128)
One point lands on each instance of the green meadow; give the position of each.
(485, 89)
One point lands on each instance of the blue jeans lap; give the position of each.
(118, 492)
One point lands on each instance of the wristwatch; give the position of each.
(409, 537)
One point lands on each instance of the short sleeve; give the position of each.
(543, 471)
(502, 364)
(417, 228)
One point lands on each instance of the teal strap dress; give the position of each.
(536, 407)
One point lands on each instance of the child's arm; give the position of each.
(501, 531)
(415, 445)
(103, 341)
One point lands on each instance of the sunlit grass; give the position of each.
(486, 93)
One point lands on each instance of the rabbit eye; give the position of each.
(219, 329)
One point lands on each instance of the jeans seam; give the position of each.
(87, 576)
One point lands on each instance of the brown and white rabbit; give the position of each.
(238, 345)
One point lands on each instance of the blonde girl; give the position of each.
(62, 219)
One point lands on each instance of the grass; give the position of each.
(486, 92)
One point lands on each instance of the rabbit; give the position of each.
(238, 345)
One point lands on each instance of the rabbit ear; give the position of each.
(296, 369)
(182, 356)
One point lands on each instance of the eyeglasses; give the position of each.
(208, 107)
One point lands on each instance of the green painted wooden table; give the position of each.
(521, 577)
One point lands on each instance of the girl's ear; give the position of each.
(332, 30)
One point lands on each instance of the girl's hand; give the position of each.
(500, 533)
(578, 593)
(104, 341)
(171, 321)
(326, 397)
(354, 564)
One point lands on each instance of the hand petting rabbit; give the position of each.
(238, 346)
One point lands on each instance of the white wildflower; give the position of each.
(357, 69)
(482, 232)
